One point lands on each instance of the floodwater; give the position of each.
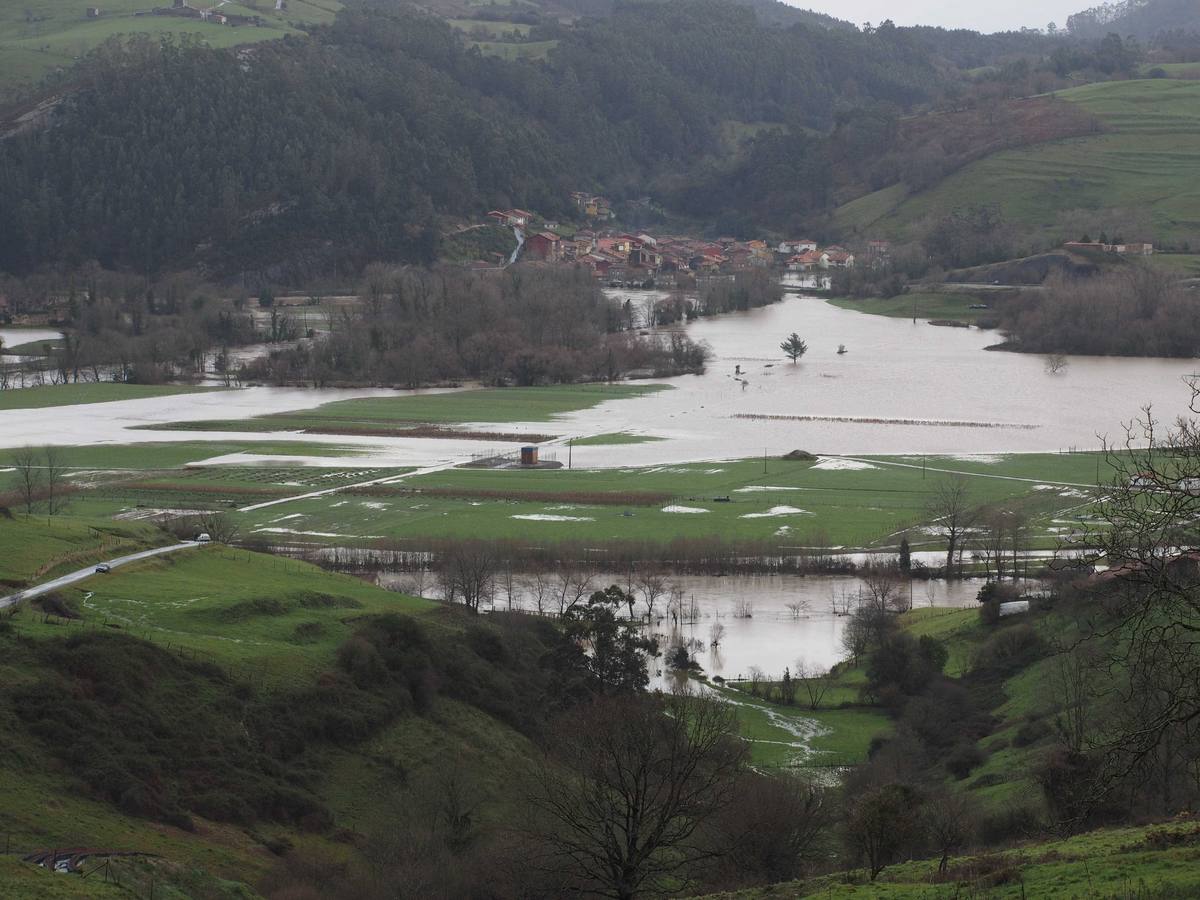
(900, 388)
(773, 636)
(13, 337)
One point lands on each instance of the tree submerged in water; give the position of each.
(793, 348)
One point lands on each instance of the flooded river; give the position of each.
(900, 388)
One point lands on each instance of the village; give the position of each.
(628, 258)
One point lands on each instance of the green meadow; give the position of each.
(865, 506)
(1145, 157)
(35, 548)
(91, 392)
(534, 404)
(39, 36)
(924, 305)
(265, 617)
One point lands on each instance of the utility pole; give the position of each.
(570, 447)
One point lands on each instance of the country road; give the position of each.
(81, 574)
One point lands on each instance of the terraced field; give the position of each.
(1144, 158)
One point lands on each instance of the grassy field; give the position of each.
(795, 501)
(1144, 159)
(509, 51)
(100, 392)
(263, 617)
(39, 36)
(494, 30)
(540, 404)
(922, 305)
(1146, 861)
(34, 548)
(615, 439)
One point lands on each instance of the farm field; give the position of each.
(384, 414)
(1143, 159)
(263, 617)
(40, 36)
(511, 51)
(835, 502)
(91, 392)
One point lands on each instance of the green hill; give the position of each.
(1138, 171)
(40, 36)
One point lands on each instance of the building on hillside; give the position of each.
(807, 261)
(800, 245)
(545, 245)
(838, 258)
(514, 218)
(1132, 249)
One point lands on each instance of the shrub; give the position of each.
(1031, 732)
(963, 759)
(1010, 650)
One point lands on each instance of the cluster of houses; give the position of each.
(630, 257)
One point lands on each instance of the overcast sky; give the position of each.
(980, 16)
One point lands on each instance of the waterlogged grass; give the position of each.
(794, 503)
(101, 392)
(494, 406)
(615, 439)
(263, 617)
(35, 548)
(923, 306)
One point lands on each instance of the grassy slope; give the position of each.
(540, 404)
(848, 507)
(1109, 863)
(35, 548)
(208, 601)
(196, 605)
(103, 392)
(1145, 159)
(60, 33)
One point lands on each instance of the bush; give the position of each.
(1031, 732)
(1015, 822)
(1010, 650)
(963, 759)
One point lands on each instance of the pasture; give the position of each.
(89, 392)
(1144, 157)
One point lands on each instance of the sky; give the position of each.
(979, 16)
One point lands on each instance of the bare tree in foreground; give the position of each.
(624, 789)
(55, 477)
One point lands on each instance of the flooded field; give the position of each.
(956, 398)
(768, 621)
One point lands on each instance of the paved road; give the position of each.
(63, 581)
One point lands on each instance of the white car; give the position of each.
(203, 538)
(103, 568)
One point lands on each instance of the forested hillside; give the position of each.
(348, 146)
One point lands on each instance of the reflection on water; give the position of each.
(769, 621)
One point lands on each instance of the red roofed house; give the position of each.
(544, 245)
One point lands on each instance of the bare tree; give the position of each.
(467, 570)
(815, 679)
(540, 589)
(572, 587)
(797, 608)
(950, 509)
(716, 634)
(29, 476)
(756, 680)
(1055, 363)
(627, 784)
(883, 589)
(54, 477)
(743, 609)
(652, 585)
(949, 822)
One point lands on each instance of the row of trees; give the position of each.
(522, 326)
